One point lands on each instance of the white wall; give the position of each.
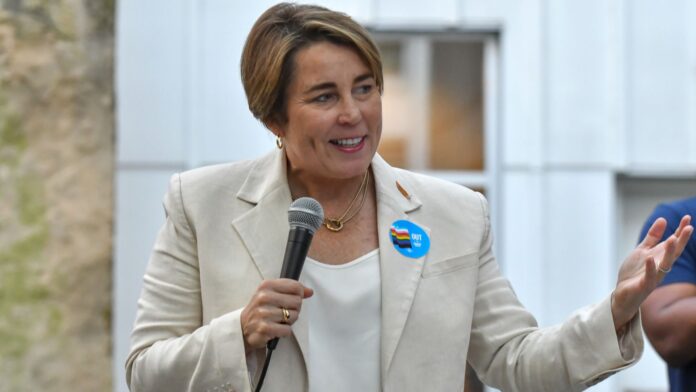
(589, 90)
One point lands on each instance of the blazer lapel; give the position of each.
(264, 228)
(399, 274)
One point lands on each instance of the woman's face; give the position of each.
(334, 113)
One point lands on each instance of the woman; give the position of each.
(406, 288)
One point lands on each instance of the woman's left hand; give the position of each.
(645, 267)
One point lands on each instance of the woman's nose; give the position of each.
(350, 112)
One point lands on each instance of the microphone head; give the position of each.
(307, 213)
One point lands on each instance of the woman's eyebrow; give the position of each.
(320, 86)
(362, 77)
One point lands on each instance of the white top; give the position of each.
(343, 324)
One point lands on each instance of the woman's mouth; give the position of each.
(348, 144)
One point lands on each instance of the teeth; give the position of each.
(348, 142)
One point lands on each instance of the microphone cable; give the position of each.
(270, 346)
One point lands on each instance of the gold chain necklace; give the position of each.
(336, 224)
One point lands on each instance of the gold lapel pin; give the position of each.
(403, 191)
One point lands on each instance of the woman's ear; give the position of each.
(277, 132)
(274, 127)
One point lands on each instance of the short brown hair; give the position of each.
(279, 33)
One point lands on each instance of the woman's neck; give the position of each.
(333, 194)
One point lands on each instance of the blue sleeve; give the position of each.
(684, 269)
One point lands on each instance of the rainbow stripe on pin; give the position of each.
(400, 237)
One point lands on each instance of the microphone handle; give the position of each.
(271, 344)
(299, 240)
(296, 250)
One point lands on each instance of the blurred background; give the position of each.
(574, 117)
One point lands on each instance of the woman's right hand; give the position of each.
(262, 318)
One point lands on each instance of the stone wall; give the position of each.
(56, 194)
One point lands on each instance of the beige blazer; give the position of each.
(226, 231)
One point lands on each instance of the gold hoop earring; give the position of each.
(279, 142)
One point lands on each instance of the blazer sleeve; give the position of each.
(170, 348)
(508, 351)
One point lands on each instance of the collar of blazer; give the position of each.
(266, 188)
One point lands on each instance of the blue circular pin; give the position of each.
(409, 239)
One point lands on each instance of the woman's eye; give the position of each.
(323, 98)
(364, 89)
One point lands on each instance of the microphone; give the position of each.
(305, 216)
